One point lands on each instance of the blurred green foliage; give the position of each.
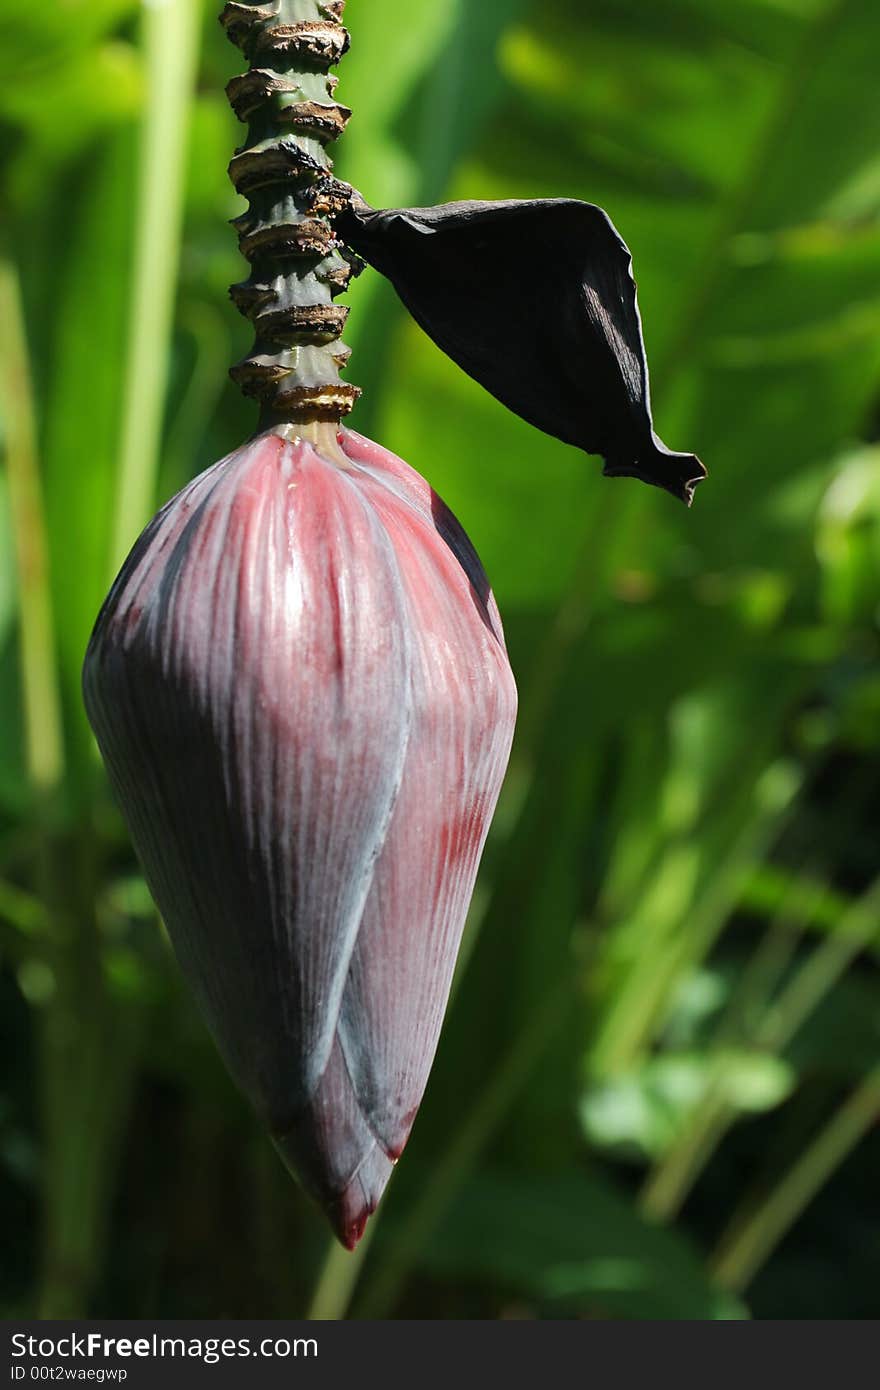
(657, 1092)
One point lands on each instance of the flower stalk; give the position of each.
(298, 265)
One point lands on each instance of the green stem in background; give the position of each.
(763, 799)
(673, 1177)
(756, 1230)
(811, 983)
(170, 42)
(40, 697)
(90, 1042)
(338, 1278)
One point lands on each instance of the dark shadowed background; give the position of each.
(658, 1089)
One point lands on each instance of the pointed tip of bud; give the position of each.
(351, 1235)
(348, 1210)
(351, 1212)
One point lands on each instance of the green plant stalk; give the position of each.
(639, 1007)
(772, 957)
(856, 932)
(668, 1187)
(756, 1231)
(338, 1279)
(89, 1045)
(287, 233)
(44, 742)
(170, 41)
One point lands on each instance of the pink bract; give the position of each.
(300, 688)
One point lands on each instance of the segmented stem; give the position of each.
(299, 266)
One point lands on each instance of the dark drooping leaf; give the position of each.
(536, 301)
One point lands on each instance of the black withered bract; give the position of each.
(535, 300)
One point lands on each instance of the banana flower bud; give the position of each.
(300, 688)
